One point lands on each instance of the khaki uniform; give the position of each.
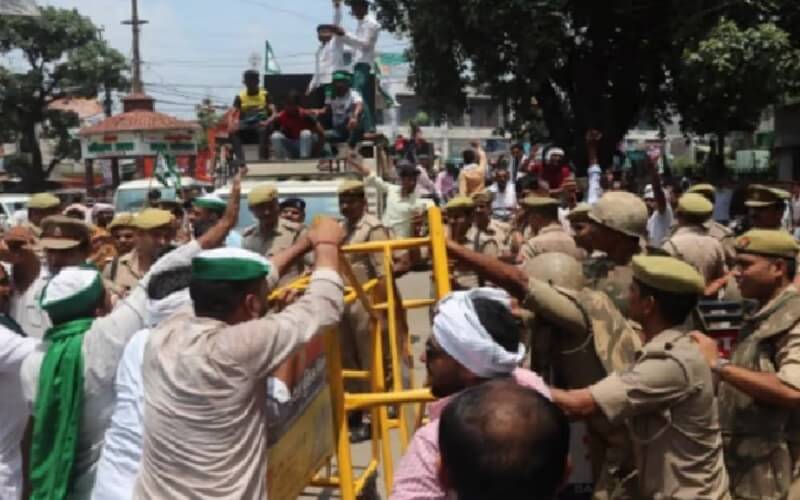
(356, 334)
(580, 338)
(479, 241)
(122, 274)
(693, 245)
(551, 238)
(282, 236)
(667, 400)
(756, 448)
(603, 275)
(726, 237)
(501, 232)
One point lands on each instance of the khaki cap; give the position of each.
(460, 202)
(768, 242)
(351, 186)
(706, 190)
(122, 219)
(262, 193)
(63, 233)
(760, 196)
(44, 201)
(580, 213)
(668, 274)
(539, 202)
(694, 204)
(151, 218)
(482, 197)
(621, 211)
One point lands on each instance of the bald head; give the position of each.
(502, 440)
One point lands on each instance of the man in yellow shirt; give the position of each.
(254, 109)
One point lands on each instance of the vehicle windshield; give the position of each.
(131, 200)
(316, 204)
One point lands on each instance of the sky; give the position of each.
(197, 48)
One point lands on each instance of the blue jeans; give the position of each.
(283, 147)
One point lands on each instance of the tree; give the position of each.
(729, 78)
(64, 56)
(573, 64)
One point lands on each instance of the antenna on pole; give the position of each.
(135, 22)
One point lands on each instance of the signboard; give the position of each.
(300, 431)
(131, 144)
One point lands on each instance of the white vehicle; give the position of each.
(10, 207)
(132, 195)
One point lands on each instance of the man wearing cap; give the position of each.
(461, 229)
(716, 230)
(294, 209)
(28, 276)
(123, 232)
(220, 360)
(330, 54)
(475, 339)
(549, 234)
(403, 204)
(691, 242)
(271, 234)
(69, 379)
(760, 384)
(580, 225)
(41, 205)
(490, 226)
(363, 41)
(618, 224)
(343, 113)
(153, 236)
(667, 397)
(566, 315)
(206, 211)
(766, 207)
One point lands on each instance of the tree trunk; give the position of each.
(33, 178)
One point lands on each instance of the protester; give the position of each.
(221, 359)
(504, 202)
(330, 54)
(344, 112)
(594, 173)
(123, 231)
(15, 347)
(501, 440)
(472, 178)
(553, 170)
(40, 206)
(253, 108)
(363, 41)
(661, 218)
(102, 214)
(298, 133)
(446, 184)
(475, 338)
(519, 162)
(206, 211)
(795, 206)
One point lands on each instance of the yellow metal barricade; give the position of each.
(380, 398)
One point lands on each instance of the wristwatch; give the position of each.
(719, 364)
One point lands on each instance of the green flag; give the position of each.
(167, 172)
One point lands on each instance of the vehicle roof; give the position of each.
(289, 186)
(153, 183)
(14, 197)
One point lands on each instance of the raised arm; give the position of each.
(655, 180)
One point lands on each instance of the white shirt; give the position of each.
(364, 40)
(330, 56)
(399, 209)
(14, 413)
(102, 348)
(122, 450)
(25, 308)
(594, 191)
(659, 226)
(504, 202)
(342, 106)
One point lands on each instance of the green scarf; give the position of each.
(57, 413)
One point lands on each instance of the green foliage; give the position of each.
(64, 56)
(732, 75)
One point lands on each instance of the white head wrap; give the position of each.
(159, 310)
(459, 331)
(553, 151)
(101, 207)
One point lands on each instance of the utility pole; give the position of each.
(135, 22)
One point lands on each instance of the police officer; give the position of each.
(40, 206)
(578, 338)
(271, 234)
(761, 382)
(618, 225)
(153, 235)
(496, 229)
(579, 223)
(460, 218)
(548, 233)
(716, 230)
(691, 243)
(667, 397)
(766, 206)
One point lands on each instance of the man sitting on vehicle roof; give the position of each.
(343, 112)
(254, 109)
(297, 134)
